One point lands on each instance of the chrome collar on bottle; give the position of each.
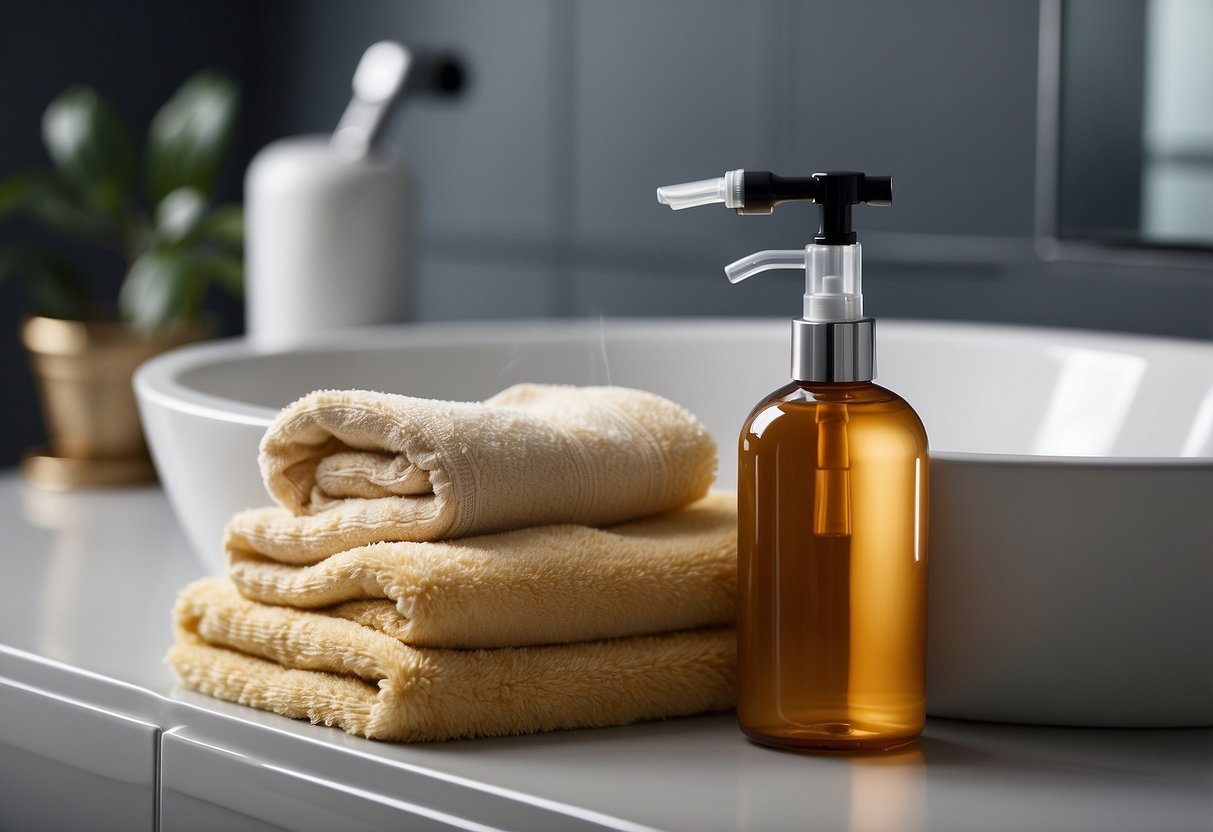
(834, 350)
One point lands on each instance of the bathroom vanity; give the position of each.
(94, 735)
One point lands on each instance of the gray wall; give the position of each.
(539, 183)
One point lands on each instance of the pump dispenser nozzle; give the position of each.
(759, 191)
(832, 261)
(726, 189)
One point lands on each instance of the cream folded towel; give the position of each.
(531, 455)
(337, 672)
(531, 586)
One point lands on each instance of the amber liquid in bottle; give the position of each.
(832, 505)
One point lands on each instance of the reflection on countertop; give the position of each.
(91, 577)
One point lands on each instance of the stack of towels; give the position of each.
(549, 558)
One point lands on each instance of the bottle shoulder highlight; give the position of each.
(803, 395)
(801, 404)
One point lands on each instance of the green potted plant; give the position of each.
(158, 218)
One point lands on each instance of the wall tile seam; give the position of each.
(564, 22)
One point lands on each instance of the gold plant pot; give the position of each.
(83, 372)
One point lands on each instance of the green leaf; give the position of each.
(178, 215)
(90, 148)
(224, 269)
(15, 192)
(55, 204)
(52, 282)
(60, 209)
(189, 136)
(163, 289)
(224, 227)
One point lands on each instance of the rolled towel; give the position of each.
(336, 672)
(541, 585)
(382, 467)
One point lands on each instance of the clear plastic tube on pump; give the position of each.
(726, 189)
(833, 283)
(833, 277)
(761, 261)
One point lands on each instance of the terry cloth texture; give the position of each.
(541, 585)
(374, 467)
(337, 672)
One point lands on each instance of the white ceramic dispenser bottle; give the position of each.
(331, 221)
(832, 500)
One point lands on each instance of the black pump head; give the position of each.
(835, 191)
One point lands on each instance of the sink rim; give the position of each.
(158, 379)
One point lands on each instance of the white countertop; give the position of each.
(89, 584)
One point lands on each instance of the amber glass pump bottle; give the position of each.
(832, 500)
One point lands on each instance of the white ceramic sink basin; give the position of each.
(1071, 528)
